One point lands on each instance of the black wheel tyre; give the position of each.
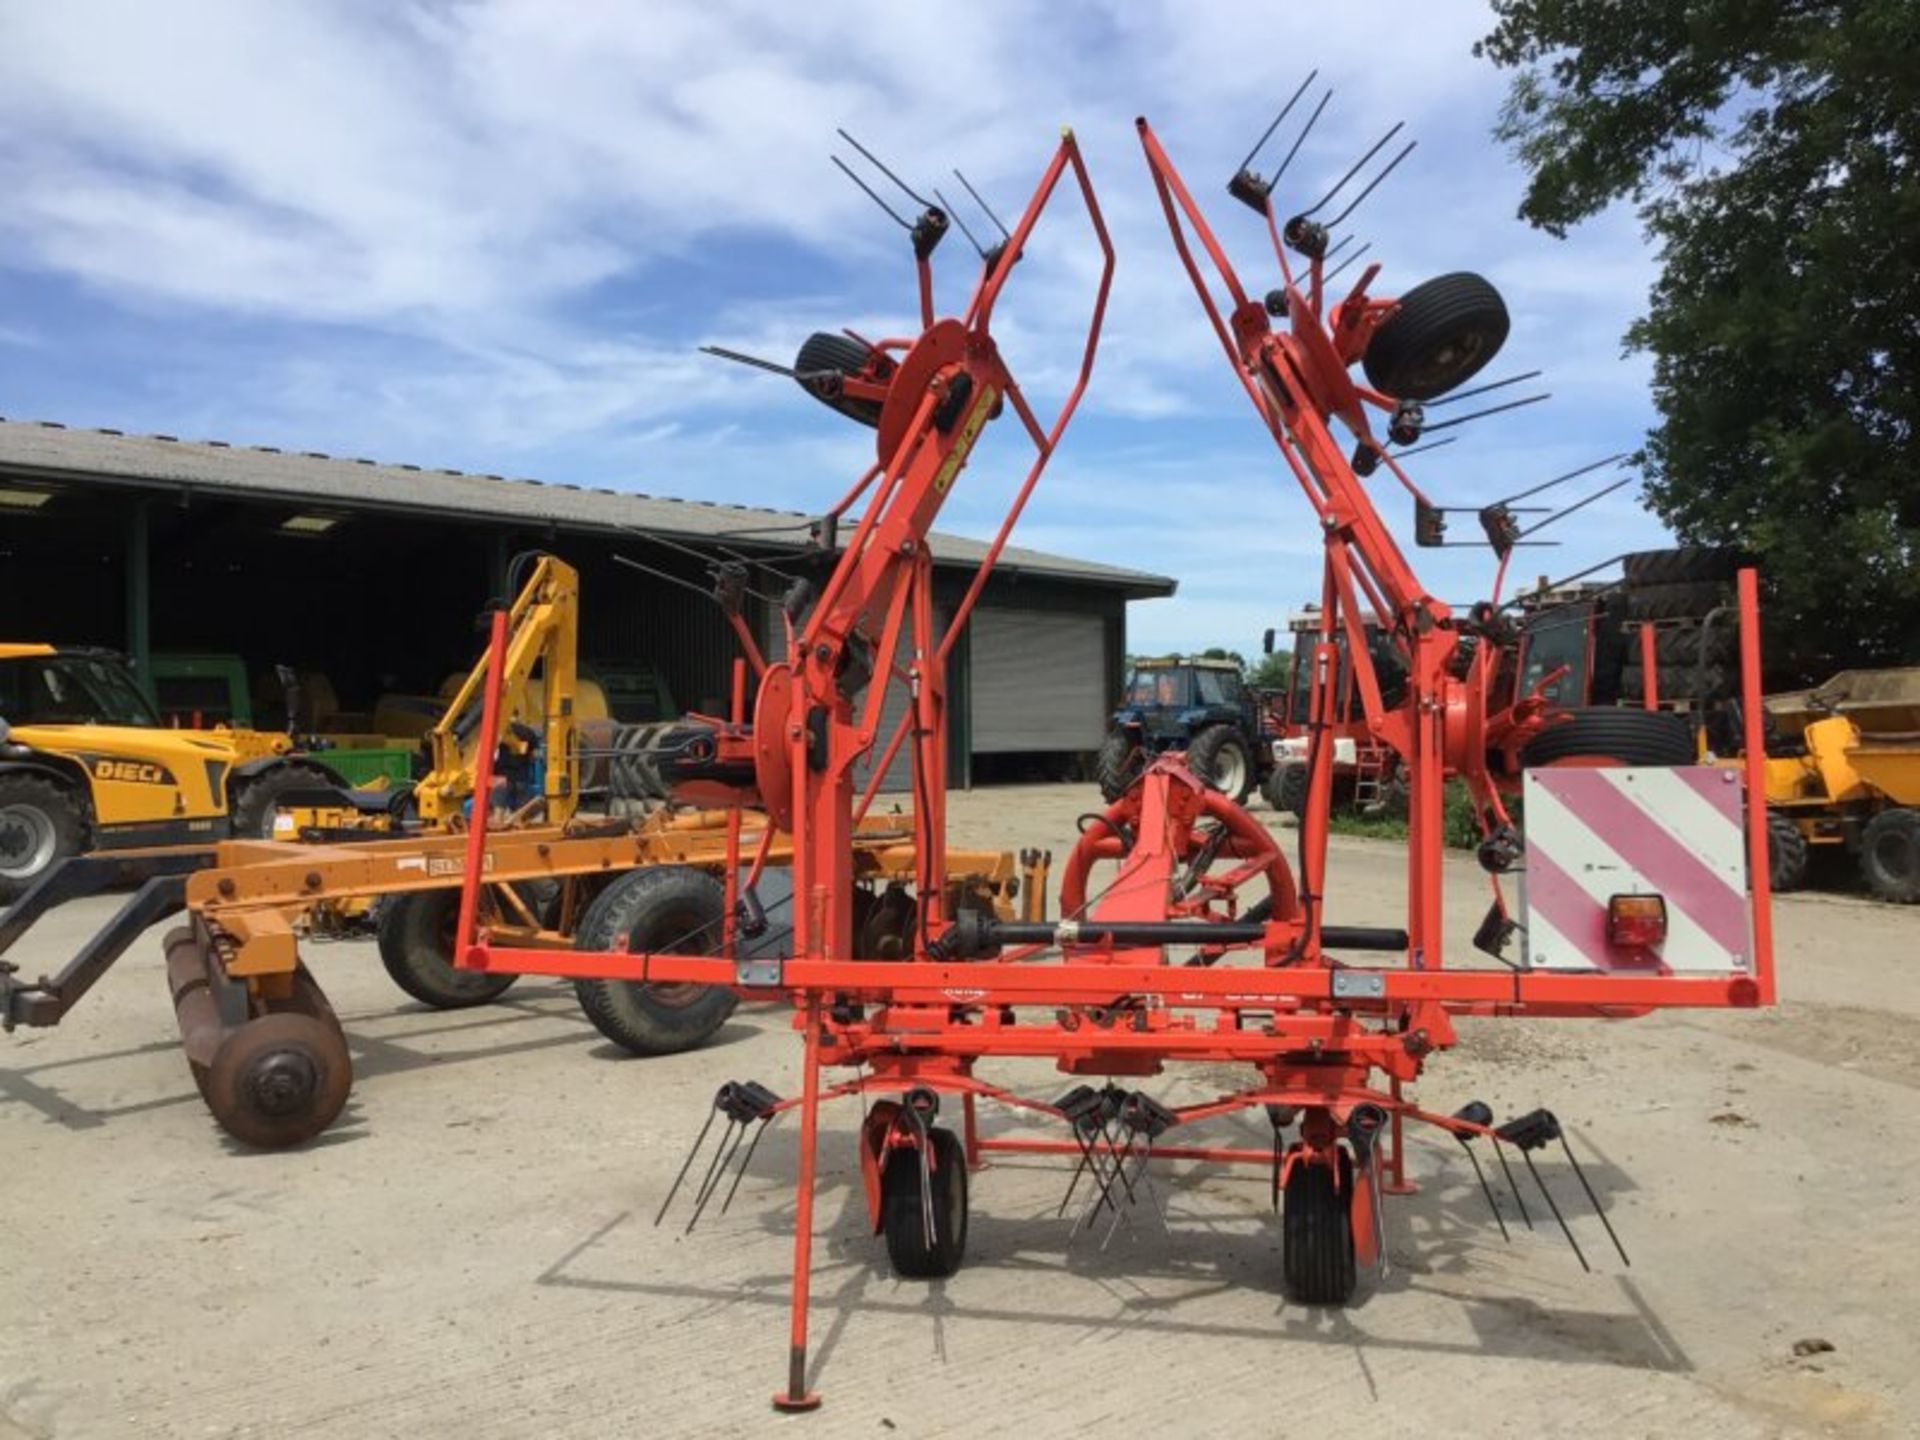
(1689, 644)
(1625, 737)
(1121, 762)
(667, 909)
(42, 822)
(257, 801)
(1688, 600)
(903, 1217)
(837, 355)
(1682, 680)
(1218, 755)
(1286, 790)
(1786, 854)
(1681, 564)
(1396, 799)
(1890, 855)
(416, 945)
(1442, 333)
(1317, 1234)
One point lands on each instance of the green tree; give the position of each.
(1773, 150)
(1271, 672)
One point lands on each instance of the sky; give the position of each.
(493, 235)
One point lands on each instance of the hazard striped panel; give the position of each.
(1674, 832)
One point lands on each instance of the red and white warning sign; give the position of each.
(1593, 834)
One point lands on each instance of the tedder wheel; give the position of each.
(839, 355)
(1317, 1233)
(1890, 855)
(667, 909)
(1218, 755)
(41, 822)
(904, 1218)
(1438, 337)
(254, 806)
(280, 1078)
(1786, 854)
(1121, 763)
(1680, 565)
(1605, 735)
(416, 946)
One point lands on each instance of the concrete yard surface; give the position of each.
(471, 1251)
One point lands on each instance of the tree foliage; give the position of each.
(1771, 147)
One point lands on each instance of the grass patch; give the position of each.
(1461, 829)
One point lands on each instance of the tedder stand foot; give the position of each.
(797, 1404)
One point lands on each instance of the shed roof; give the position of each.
(46, 451)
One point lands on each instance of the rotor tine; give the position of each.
(1577, 505)
(891, 215)
(1327, 279)
(926, 1189)
(1593, 1199)
(1300, 139)
(947, 205)
(722, 1157)
(686, 1165)
(1422, 449)
(741, 358)
(1486, 1189)
(1518, 1198)
(999, 224)
(1547, 1195)
(1374, 184)
(745, 1161)
(1448, 399)
(1337, 247)
(878, 164)
(1562, 479)
(1341, 183)
(1490, 410)
(1267, 134)
(1086, 1159)
(1379, 1211)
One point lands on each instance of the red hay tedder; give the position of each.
(1185, 934)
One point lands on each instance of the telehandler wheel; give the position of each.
(1218, 755)
(41, 823)
(1121, 763)
(1440, 335)
(279, 1079)
(1607, 736)
(1890, 855)
(1316, 1233)
(1786, 855)
(666, 909)
(416, 945)
(904, 1218)
(254, 805)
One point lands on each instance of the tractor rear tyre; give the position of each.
(1438, 337)
(416, 945)
(42, 822)
(1218, 755)
(1121, 763)
(257, 802)
(1613, 736)
(1317, 1233)
(1681, 600)
(1890, 855)
(281, 1078)
(1786, 854)
(666, 909)
(1683, 644)
(1681, 564)
(830, 354)
(903, 1218)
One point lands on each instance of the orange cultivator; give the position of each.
(1203, 944)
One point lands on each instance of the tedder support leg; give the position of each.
(1396, 1180)
(796, 1397)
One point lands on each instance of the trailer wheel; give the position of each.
(416, 937)
(1317, 1233)
(279, 1079)
(1121, 763)
(1443, 331)
(1786, 854)
(42, 822)
(903, 1217)
(1218, 755)
(1890, 855)
(824, 351)
(1607, 736)
(667, 909)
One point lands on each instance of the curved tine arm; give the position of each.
(1279, 250)
(1067, 155)
(1174, 190)
(1399, 473)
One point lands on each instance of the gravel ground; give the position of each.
(471, 1250)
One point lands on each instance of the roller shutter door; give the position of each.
(1039, 680)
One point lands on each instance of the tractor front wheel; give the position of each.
(1890, 855)
(1218, 755)
(1122, 761)
(41, 823)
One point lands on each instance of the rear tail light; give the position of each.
(1636, 920)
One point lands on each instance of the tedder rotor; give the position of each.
(1184, 933)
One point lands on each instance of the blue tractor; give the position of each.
(1201, 706)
